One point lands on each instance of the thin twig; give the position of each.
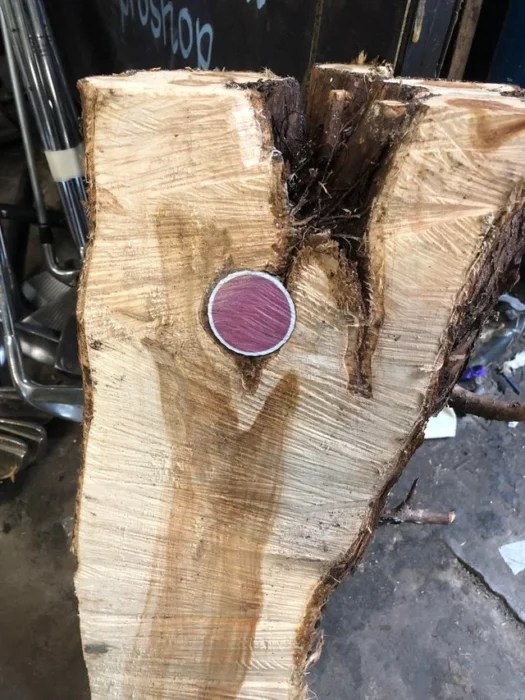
(485, 406)
(420, 516)
(404, 513)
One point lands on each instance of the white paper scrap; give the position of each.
(514, 302)
(443, 425)
(517, 362)
(514, 556)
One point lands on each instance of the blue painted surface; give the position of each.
(508, 65)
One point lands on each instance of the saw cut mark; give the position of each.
(251, 313)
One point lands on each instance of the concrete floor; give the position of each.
(435, 613)
(40, 651)
(431, 613)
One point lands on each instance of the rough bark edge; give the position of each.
(283, 109)
(90, 101)
(486, 406)
(278, 110)
(370, 263)
(365, 85)
(495, 270)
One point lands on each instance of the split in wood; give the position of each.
(485, 406)
(404, 513)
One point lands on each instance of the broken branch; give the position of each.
(419, 516)
(404, 513)
(485, 406)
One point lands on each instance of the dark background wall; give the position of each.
(508, 65)
(287, 36)
(101, 36)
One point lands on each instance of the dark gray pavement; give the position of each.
(40, 652)
(435, 612)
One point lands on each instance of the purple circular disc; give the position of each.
(251, 313)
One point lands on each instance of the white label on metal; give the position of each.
(66, 164)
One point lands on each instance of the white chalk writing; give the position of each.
(260, 3)
(179, 31)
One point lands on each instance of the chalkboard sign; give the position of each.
(101, 36)
(104, 36)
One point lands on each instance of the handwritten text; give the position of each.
(177, 28)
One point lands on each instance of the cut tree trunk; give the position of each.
(223, 497)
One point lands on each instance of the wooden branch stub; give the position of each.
(487, 407)
(418, 516)
(405, 513)
(338, 102)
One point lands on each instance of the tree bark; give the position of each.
(223, 497)
(486, 406)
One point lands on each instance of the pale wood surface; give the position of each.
(217, 496)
